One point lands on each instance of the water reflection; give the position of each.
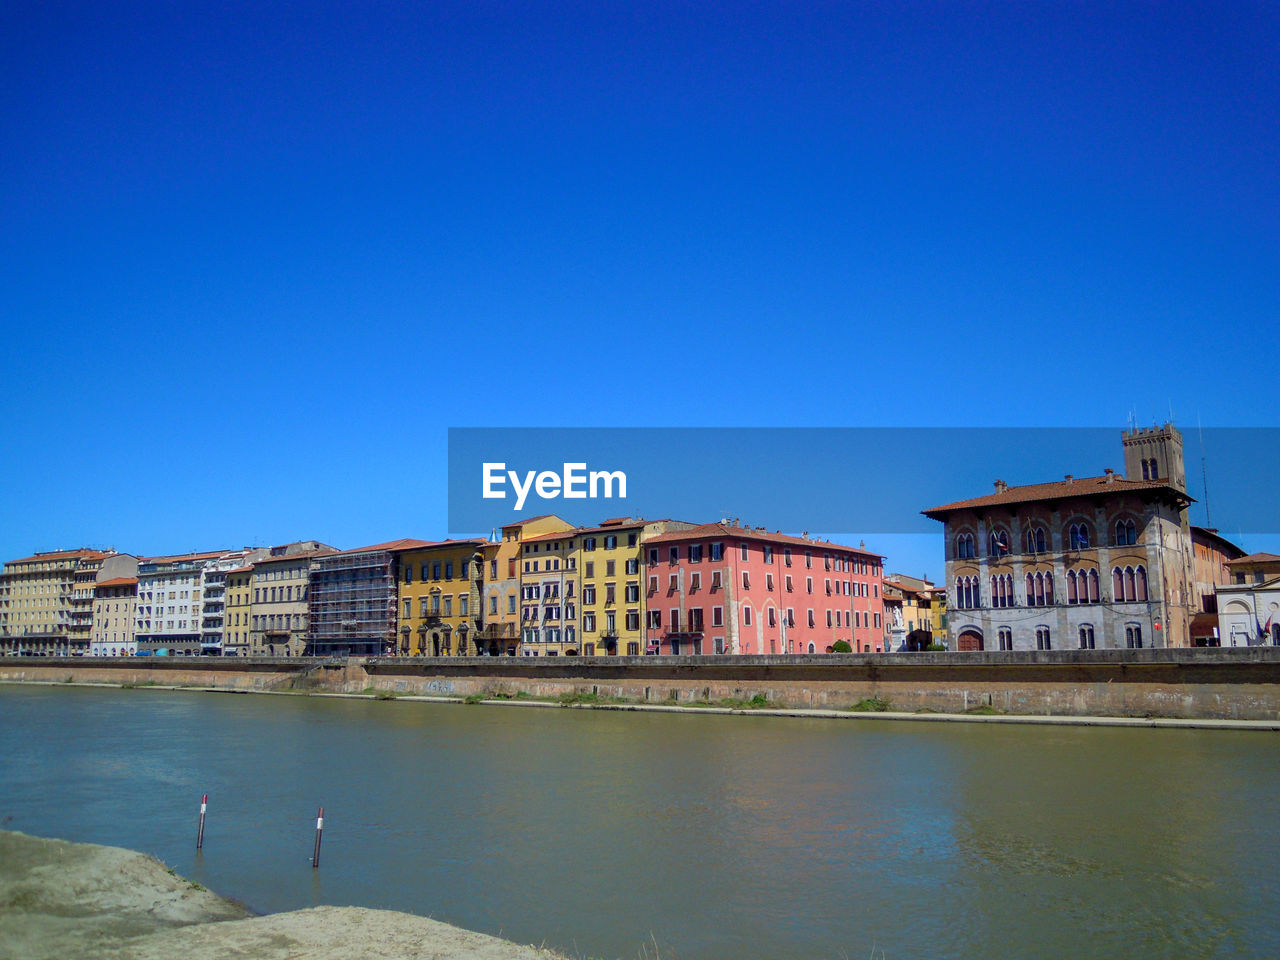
(716, 836)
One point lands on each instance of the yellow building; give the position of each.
(500, 598)
(439, 606)
(611, 561)
(238, 611)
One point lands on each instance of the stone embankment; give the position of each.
(1210, 684)
(60, 899)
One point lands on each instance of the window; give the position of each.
(808, 584)
(1042, 639)
(768, 554)
(675, 620)
(695, 582)
(448, 570)
(1004, 638)
(744, 553)
(746, 615)
(811, 620)
(786, 556)
(632, 539)
(1133, 636)
(611, 542)
(715, 580)
(1078, 536)
(673, 555)
(654, 618)
(588, 543)
(772, 617)
(653, 585)
(1126, 533)
(746, 580)
(717, 616)
(588, 621)
(633, 592)
(675, 583)
(717, 551)
(964, 546)
(633, 620)
(633, 567)
(998, 543)
(653, 556)
(1086, 637)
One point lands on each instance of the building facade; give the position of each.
(352, 600)
(169, 611)
(115, 595)
(549, 595)
(501, 630)
(1087, 563)
(277, 587)
(721, 588)
(46, 602)
(440, 592)
(1249, 604)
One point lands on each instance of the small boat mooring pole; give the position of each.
(204, 805)
(315, 856)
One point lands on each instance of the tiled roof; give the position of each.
(1060, 490)
(717, 530)
(390, 545)
(118, 582)
(300, 555)
(1254, 558)
(177, 558)
(64, 555)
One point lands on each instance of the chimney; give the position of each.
(1110, 474)
(1001, 486)
(1069, 478)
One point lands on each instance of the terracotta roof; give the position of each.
(1254, 558)
(390, 545)
(300, 555)
(1060, 490)
(64, 555)
(175, 558)
(559, 535)
(715, 530)
(117, 582)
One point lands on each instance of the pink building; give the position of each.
(722, 588)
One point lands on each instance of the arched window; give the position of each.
(1146, 469)
(1140, 584)
(1117, 584)
(1036, 540)
(1130, 584)
(1048, 588)
(998, 543)
(1093, 586)
(1039, 589)
(1031, 590)
(1042, 639)
(964, 546)
(1133, 636)
(1072, 597)
(1086, 637)
(1155, 469)
(811, 648)
(1126, 533)
(1078, 536)
(1004, 637)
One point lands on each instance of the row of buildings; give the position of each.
(545, 587)
(1091, 562)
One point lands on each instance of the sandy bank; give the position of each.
(60, 899)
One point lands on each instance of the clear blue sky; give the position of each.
(256, 258)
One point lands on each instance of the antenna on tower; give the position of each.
(1204, 475)
(1170, 411)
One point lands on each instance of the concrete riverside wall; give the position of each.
(1238, 684)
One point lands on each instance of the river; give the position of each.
(609, 834)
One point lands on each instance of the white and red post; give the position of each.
(204, 805)
(315, 857)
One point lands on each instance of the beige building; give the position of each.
(46, 602)
(276, 588)
(114, 603)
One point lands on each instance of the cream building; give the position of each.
(278, 588)
(46, 602)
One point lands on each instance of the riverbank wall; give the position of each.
(1219, 684)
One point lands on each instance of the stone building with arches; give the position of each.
(1078, 563)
